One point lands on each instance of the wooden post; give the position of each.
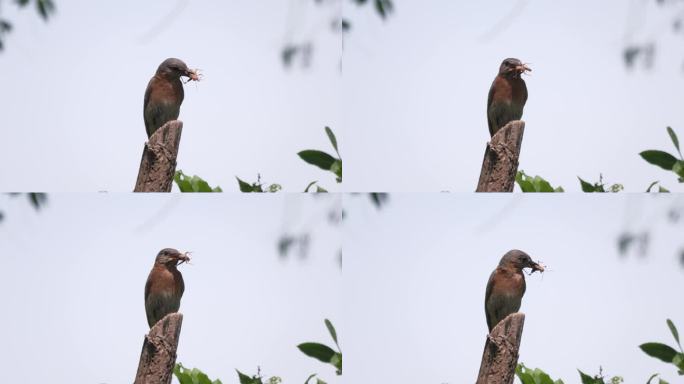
(500, 162)
(158, 163)
(158, 355)
(500, 356)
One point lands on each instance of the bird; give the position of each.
(507, 95)
(164, 94)
(165, 286)
(506, 286)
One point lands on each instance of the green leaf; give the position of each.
(523, 182)
(653, 376)
(336, 168)
(659, 351)
(674, 138)
(333, 139)
(244, 379)
(317, 351)
(586, 186)
(332, 331)
(244, 186)
(662, 159)
(310, 185)
(321, 189)
(319, 381)
(586, 379)
(673, 329)
(678, 168)
(318, 158)
(678, 361)
(336, 361)
(309, 378)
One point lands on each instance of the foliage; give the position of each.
(37, 200)
(323, 160)
(193, 184)
(666, 353)
(599, 186)
(45, 8)
(599, 379)
(534, 184)
(324, 353)
(666, 160)
(192, 376)
(257, 186)
(534, 376)
(257, 379)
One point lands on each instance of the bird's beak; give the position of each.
(183, 257)
(536, 267)
(522, 68)
(192, 74)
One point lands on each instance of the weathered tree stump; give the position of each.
(158, 163)
(158, 355)
(500, 162)
(500, 356)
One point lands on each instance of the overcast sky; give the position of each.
(415, 91)
(72, 92)
(415, 275)
(74, 275)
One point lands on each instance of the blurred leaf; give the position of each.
(674, 138)
(678, 168)
(45, 8)
(318, 158)
(586, 187)
(333, 139)
(320, 189)
(37, 199)
(332, 331)
(336, 168)
(310, 185)
(336, 361)
(309, 378)
(378, 199)
(662, 159)
(5, 26)
(383, 7)
(659, 351)
(534, 376)
(673, 329)
(317, 351)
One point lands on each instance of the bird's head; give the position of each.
(513, 68)
(175, 68)
(171, 257)
(518, 259)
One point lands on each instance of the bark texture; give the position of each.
(500, 356)
(158, 163)
(500, 162)
(158, 355)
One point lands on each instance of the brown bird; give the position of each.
(164, 94)
(164, 287)
(507, 95)
(506, 286)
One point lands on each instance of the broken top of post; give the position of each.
(500, 163)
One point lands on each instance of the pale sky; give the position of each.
(415, 275)
(415, 91)
(74, 273)
(72, 92)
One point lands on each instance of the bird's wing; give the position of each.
(148, 91)
(488, 292)
(490, 97)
